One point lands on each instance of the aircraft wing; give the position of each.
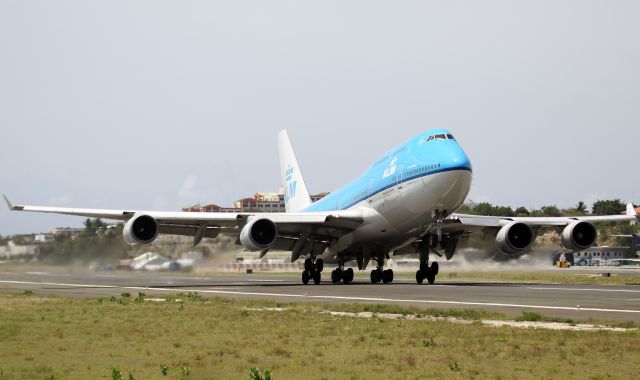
(291, 226)
(478, 221)
(459, 226)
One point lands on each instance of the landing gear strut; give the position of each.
(341, 274)
(427, 272)
(312, 270)
(381, 274)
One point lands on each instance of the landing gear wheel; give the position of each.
(419, 277)
(305, 277)
(347, 275)
(431, 277)
(336, 276)
(435, 268)
(376, 276)
(316, 277)
(387, 276)
(424, 267)
(319, 265)
(308, 265)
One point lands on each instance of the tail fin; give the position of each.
(296, 196)
(631, 211)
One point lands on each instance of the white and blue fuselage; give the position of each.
(403, 193)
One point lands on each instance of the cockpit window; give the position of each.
(441, 137)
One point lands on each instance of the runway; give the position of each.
(577, 302)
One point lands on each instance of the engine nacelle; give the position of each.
(258, 234)
(515, 238)
(141, 229)
(578, 235)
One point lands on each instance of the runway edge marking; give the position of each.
(341, 298)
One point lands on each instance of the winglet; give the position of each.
(11, 206)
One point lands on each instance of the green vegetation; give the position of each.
(64, 338)
(600, 207)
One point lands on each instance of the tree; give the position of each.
(484, 208)
(91, 226)
(608, 207)
(502, 211)
(551, 211)
(521, 211)
(581, 207)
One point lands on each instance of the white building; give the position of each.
(14, 252)
(599, 256)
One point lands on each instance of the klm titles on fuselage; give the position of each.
(290, 184)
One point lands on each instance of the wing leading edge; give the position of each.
(292, 225)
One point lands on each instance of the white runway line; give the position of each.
(586, 289)
(338, 298)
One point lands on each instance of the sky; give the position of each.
(155, 105)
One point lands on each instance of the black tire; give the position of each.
(435, 268)
(387, 276)
(317, 277)
(305, 277)
(424, 267)
(308, 265)
(375, 276)
(336, 276)
(431, 277)
(419, 277)
(319, 265)
(347, 275)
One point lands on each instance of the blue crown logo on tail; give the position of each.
(290, 185)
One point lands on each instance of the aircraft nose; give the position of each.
(460, 159)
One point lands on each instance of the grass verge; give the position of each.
(190, 337)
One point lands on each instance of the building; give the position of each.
(260, 202)
(43, 238)
(16, 252)
(209, 208)
(599, 256)
(66, 231)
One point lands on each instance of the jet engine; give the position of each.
(578, 235)
(258, 234)
(515, 238)
(141, 229)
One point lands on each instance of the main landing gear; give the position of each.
(426, 272)
(344, 275)
(341, 274)
(312, 270)
(381, 274)
(429, 243)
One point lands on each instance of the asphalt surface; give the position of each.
(577, 302)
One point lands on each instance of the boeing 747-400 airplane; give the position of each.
(404, 203)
